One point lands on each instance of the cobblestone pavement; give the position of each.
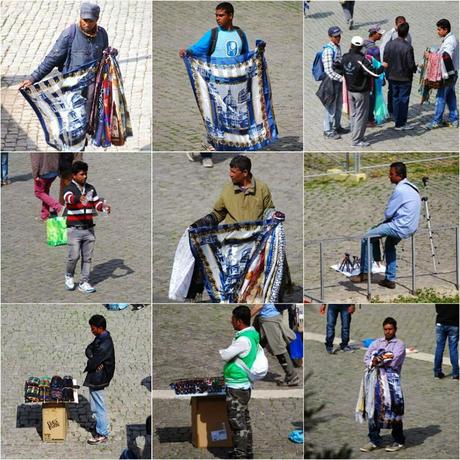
(54, 342)
(184, 191)
(28, 34)
(352, 209)
(121, 261)
(177, 121)
(273, 419)
(431, 415)
(422, 20)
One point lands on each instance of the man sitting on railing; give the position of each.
(402, 216)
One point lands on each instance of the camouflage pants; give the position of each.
(240, 422)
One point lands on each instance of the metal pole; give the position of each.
(321, 271)
(357, 162)
(369, 268)
(457, 259)
(347, 162)
(413, 263)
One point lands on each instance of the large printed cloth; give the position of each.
(241, 262)
(63, 105)
(380, 396)
(234, 98)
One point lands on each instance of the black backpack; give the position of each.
(213, 42)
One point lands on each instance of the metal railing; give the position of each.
(323, 242)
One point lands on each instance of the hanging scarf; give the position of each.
(234, 98)
(380, 108)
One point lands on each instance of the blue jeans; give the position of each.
(333, 111)
(96, 399)
(396, 432)
(446, 96)
(392, 239)
(4, 166)
(345, 317)
(401, 94)
(444, 332)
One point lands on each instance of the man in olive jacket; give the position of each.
(100, 368)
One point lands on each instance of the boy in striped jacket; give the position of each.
(81, 199)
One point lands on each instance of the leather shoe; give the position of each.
(387, 283)
(361, 278)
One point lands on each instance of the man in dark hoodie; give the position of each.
(358, 72)
(100, 367)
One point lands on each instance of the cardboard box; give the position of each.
(54, 421)
(210, 426)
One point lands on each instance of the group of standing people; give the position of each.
(364, 68)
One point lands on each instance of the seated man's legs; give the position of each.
(390, 256)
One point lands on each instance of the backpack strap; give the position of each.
(243, 41)
(412, 186)
(73, 32)
(213, 41)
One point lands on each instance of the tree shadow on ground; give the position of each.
(107, 270)
(294, 295)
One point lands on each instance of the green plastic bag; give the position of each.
(56, 231)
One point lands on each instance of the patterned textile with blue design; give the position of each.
(241, 262)
(234, 98)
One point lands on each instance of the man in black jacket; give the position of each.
(399, 55)
(358, 72)
(100, 367)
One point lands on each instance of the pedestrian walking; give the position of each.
(446, 329)
(333, 311)
(399, 55)
(81, 199)
(359, 73)
(402, 216)
(348, 8)
(238, 386)
(446, 94)
(4, 169)
(45, 169)
(100, 368)
(383, 409)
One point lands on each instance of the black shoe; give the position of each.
(341, 130)
(387, 283)
(455, 377)
(439, 375)
(332, 135)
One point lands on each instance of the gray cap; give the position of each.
(375, 28)
(89, 11)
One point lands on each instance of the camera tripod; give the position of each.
(425, 180)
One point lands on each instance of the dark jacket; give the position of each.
(447, 314)
(100, 352)
(358, 71)
(72, 43)
(401, 62)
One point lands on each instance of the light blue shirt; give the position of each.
(403, 209)
(228, 44)
(269, 310)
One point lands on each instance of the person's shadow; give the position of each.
(107, 270)
(416, 436)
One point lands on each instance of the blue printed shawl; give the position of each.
(234, 98)
(241, 262)
(380, 397)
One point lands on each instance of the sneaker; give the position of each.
(399, 128)
(69, 283)
(407, 128)
(190, 156)
(387, 283)
(293, 381)
(86, 287)
(332, 135)
(330, 351)
(347, 349)
(341, 130)
(433, 125)
(98, 439)
(394, 447)
(439, 375)
(361, 278)
(450, 124)
(6, 182)
(369, 447)
(361, 144)
(207, 162)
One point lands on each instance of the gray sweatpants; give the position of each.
(359, 107)
(80, 241)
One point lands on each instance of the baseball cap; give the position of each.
(357, 41)
(89, 11)
(334, 31)
(376, 28)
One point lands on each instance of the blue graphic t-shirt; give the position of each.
(228, 44)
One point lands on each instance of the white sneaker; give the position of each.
(86, 287)
(69, 284)
(207, 162)
(190, 156)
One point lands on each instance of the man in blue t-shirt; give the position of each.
(226, 40)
